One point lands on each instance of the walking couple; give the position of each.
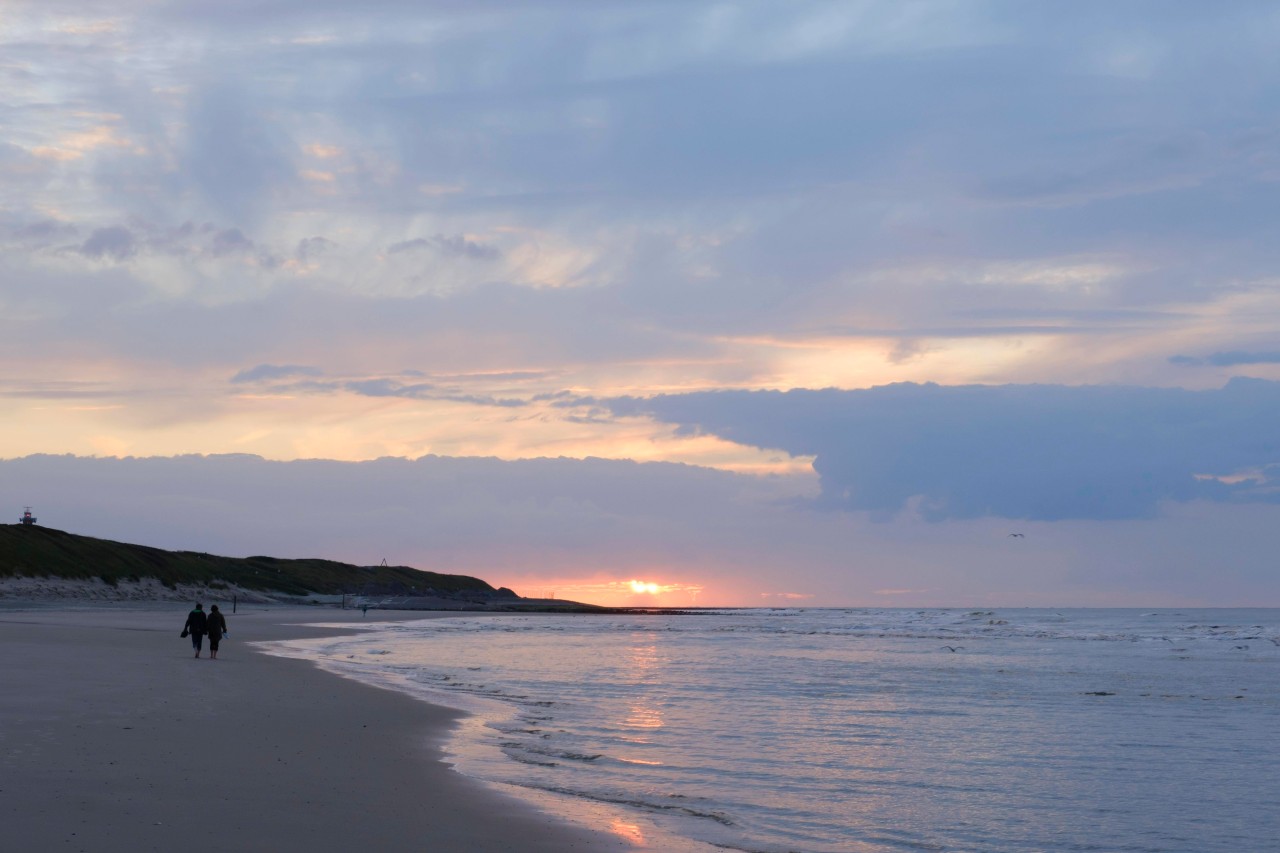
(200, 623)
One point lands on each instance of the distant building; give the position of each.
(27, 517)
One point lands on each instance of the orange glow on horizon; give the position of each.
(609, 592)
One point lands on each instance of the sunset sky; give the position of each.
(746, 303)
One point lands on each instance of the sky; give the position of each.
(713, 303)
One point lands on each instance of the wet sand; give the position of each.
(113, 738)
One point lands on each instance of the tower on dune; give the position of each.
(27, 517)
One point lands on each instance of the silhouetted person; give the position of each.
(197, 624)
(216, 625)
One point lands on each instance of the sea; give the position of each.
(776, 730)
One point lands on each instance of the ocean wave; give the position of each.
(872, 624)
(637, 803)
(816, 729)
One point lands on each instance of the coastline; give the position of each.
(115, 739)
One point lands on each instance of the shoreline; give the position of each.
(472, 734)
(115, 739)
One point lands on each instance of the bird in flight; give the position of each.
(1017, 536)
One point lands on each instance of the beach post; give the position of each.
(234, 599)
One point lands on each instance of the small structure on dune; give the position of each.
(27, 517)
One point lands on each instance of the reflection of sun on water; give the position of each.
(643, 717)
(641, 712)
(629, 831)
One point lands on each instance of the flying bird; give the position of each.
(1017, 535)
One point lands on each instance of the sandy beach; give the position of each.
(113, 738)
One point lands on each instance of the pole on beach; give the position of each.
(234, 600)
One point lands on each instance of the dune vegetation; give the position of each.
(36, 551)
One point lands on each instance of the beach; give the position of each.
(113, 738)
(814, 730)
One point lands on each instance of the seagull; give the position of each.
(953, 648)
(1017, 535)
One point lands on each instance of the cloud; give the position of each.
(233, 158)
(311, 247)
(115, 243)
(422, 391)
(433, 509)
(455, 246)
(1227, 359)
(738, 538)
(393, 225)
(1013, 451)
(281, 378)
(229, 241)
(44, 232)
(866, 169)
(408, 245)
(268, 372)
